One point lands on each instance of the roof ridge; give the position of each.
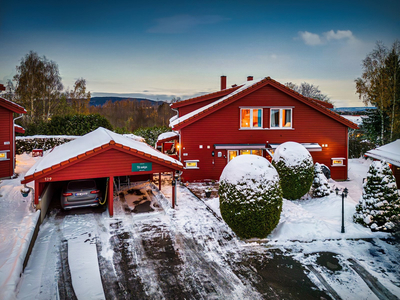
(186, 118)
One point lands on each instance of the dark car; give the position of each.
(80, 193)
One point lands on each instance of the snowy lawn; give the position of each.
(319, 218)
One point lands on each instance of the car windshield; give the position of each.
(81, 185)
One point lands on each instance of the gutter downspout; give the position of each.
(14, 141)
(180, 143)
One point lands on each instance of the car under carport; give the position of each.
(99, 154)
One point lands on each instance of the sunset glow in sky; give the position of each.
(161, 49)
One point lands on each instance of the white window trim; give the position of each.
(191, 161)
(5, 156)
(251, 118)
(338, 158)
(280, 118)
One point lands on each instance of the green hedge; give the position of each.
(68, 125)
(295, 181)
(27, 144)
(251, 212)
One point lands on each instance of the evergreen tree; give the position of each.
(379, 206)
(320, 187)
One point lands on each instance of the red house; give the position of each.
(255, 118)
(7, 136)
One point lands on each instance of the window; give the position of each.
(338, 161)
(233, 153)
(3, 155)
(281, 118)
(251, 118)
(254, 152)
(191, 164)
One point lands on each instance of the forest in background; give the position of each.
(129, 115)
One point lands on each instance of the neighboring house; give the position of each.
(256, 117)
(7, 136)
(391, 154)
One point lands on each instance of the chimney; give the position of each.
(223, 82)
(249, 78)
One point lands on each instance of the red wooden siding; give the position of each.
(223, 127)
(191, 107)
(112, 162)
(6, 136)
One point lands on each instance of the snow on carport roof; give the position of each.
(90, 141)
(389, 152)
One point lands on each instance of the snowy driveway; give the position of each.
(190, 253)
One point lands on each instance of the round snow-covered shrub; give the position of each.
(320, 187)
(295, 168)
(379, 205)
(250, 196)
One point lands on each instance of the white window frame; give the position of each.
(191, 161)
(5, 155)
(251, 118)
(342, 159)
(281, 117)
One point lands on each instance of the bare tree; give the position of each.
(309, 90)
(79, 97)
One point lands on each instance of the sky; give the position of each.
(165, 49)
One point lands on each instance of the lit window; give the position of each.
(338, 161)
(254, 152)
(281, 118)
(258, 152)
(232, 154)
(191, 164)
(3, 155)
(251, 118)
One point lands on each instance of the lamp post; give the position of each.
(344, 195)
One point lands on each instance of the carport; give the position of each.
(99, 154)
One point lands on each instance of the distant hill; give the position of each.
(99, 101)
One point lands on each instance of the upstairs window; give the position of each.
(281, 118)
(251, 118)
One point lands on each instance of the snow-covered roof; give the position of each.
(90, 141)
(355, 119)
(12, 106)
(166, 135)
(199, 110)
(389, 152)
(19, 129)
(134, 137)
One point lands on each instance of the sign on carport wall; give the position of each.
(139, 167)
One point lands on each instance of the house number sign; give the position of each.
(140, 167)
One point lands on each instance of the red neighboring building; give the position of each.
(255, 118)
(7, 136)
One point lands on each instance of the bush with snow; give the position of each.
(379, 205)
(295, 168)
(250, 196)
(320, 187)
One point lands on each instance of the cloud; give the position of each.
(339, 35)
(183, 23)
(309, 38)
(314, 39)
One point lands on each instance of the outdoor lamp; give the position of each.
(344, 195)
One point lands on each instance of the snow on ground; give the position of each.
(18, 220)
(189, 251)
